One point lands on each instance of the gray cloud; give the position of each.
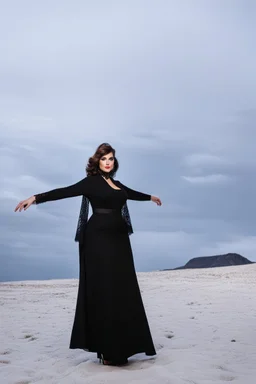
(170, 84)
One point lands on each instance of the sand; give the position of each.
(203, 324)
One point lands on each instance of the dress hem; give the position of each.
(147, 353)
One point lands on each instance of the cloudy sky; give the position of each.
(170, 84)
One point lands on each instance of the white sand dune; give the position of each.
(203, 323)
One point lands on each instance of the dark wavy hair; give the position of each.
(93, 168)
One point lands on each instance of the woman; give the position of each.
(110, 318)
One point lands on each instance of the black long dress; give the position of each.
(110, 317)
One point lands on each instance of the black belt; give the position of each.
(105, 210)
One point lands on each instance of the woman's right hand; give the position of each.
(25, 204)
(156, 200)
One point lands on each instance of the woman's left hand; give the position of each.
(156, 200)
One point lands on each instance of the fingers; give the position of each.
(26, 206)
(20, 206)
(157, 200)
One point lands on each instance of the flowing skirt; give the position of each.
(110, 317)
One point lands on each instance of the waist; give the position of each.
(106, 210)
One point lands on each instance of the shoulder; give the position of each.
(93, 179)
(88, 180)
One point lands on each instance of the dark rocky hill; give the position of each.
(216, 261)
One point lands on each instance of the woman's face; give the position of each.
(106, 163)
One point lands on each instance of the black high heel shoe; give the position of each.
(115, 362)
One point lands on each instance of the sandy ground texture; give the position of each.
(203, 323)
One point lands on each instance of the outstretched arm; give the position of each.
(77, 189)
(135, 195)
(140, 196)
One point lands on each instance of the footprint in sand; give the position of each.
(227, 378)
(158, 346)
(27, 336)
(22, 382)
(4, 362)
(30, 337)
(5, 352)
(169, 335)
(220, 367)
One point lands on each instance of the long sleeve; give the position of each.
(77, 189)
(135, 195)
